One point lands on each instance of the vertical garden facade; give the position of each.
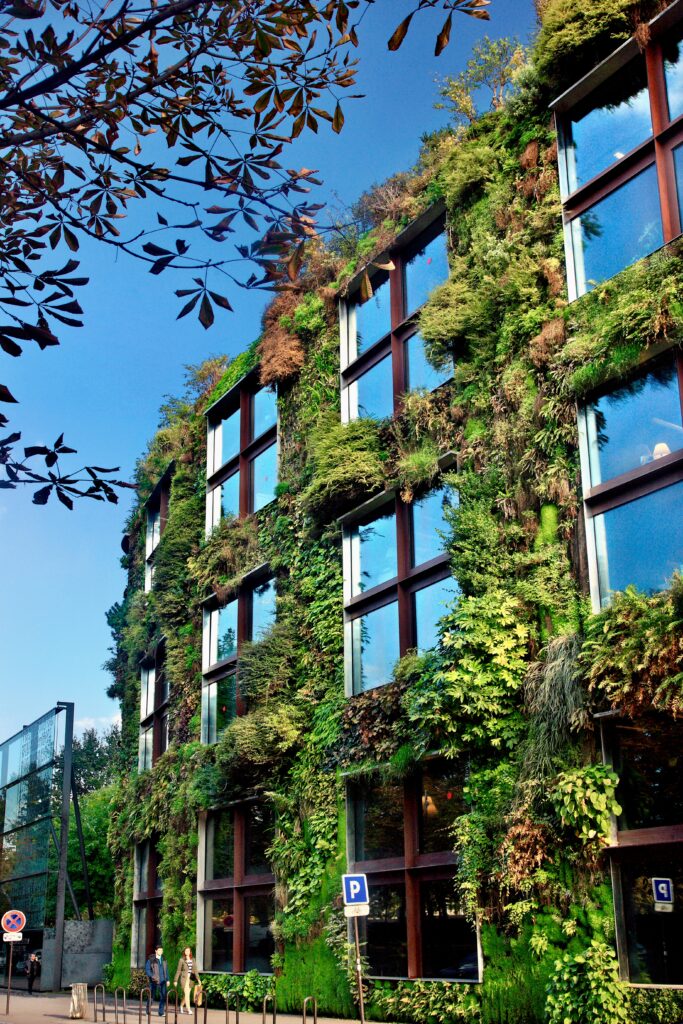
(404, 592)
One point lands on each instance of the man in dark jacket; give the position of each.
(156, 970)
(32, 971)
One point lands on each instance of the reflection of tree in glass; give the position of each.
(590, 226)
(227, 643)
(662, 375)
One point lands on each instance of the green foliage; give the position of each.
(311, 969)
(585, 799)
(251, 988)
(95, 811)
(308, 319)
(585, 988)
(556, 702)
(347, 462)
(424, 1002)
(493, 66)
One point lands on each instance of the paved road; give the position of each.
(46, 1009)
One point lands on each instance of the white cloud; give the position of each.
(101, 723)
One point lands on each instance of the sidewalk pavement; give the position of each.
(47, 1008)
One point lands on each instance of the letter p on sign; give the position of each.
(355, 889)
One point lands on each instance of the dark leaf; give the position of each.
(6, 395)
(206, 312)
(41, 496)
(400, 33)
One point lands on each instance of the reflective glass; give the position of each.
(655, 939)
(673, 71)
(650, 769)
(378, 820)
(431, 604)
(260, 945)
(640, 543)
(449, 940)
(219, 932)
(419, 371)
(147, 684)
(141, 927)
(262, 609)
(385, 932)
(25, 852)
(142, 879)
(28, 800)
(429, 524)
(259, 836)
(226, 638)
(442, 802)
(635, 424)
(612, 121)
(619, 230)
(375, 647)
(372, 393)
(263, 478)
(678, 165)
(373, 318)
(263, 412)
(219, 702)
(163, 734)
(229, 439)
(31, 895)
(230, 497)
(153, 530)
(373, 552)
(220, 846)
(146, 749)
(424, 271)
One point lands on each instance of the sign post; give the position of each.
(12, 924)
(357, 904)
(663, 892)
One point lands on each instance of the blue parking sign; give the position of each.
(663, 890)
(355, 889)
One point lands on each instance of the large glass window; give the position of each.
(429, 523)
(219, 920)
(219, 706)
(373, 551)
(220, 846)
(146, 749)
(441, 802)
(449, 948)
(226, 631)
(375, 647)
(649, 762)
(382, 354)
(262, 609)
(633, 454)
(655, 938)
(386, 934)
(157, 514)
(431, 604)
(147, 688)
(263, 412)
(673, 73)
(263, 478)
(259, 830)
(378, 820)
(228, 438)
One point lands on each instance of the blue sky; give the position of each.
(103, 386)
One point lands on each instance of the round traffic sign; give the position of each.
(13, 921)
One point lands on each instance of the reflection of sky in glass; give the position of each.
(424, 271)
(678, 164)
(635, 424)
(429, 523)
(373, 552)
(263, 411)
(230, 438)
(419, 371)
(264, 477)
(613, 122)
(640, 543)
(373, 318)
(227, 630)
(673, 70)
(230, 496)
(262, 608)
(375, 647)
(617, 231)
(431, 604)
(375, 391)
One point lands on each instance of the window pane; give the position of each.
(378, 820)
(635, 424)
(441, 803)
(375, 647)
(163, 734)
(147, 684)
(449, 941)
(650, 768)
(230, 497)
(419, 371)
(373, 318)
(220, 846)
(263, 412)
(424, 271)
(219, 707)
(227, 630)
(153, 530)
(218, 942)
(678, 164)
(372, 395)
(655, 940)
(262, 609)
(263, 478)
(640, 543)
(385, 932)
(230, 439)
(673, 70)
(259, 836)
(142, 879)
(428, 522)
(141, 923)
(260, 946)
(373, 552)
(618, 231)
(611, 122)
(431, 604)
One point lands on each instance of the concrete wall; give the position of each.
(87, 948)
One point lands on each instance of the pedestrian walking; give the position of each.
(156, 970)
(32, 971)
(186, 975)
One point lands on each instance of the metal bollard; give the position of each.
(171, 992)
(101, 989)
(148, 990)
(116, 1005)
(265, 1003)
(237, 1007)
(304, 1012)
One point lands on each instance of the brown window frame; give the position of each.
(238, 399)
(403, 322)
(157, 719)
(657, 150)
(238, 887)
(149, 898)
(410, 870)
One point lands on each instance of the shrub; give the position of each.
(585, 989)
